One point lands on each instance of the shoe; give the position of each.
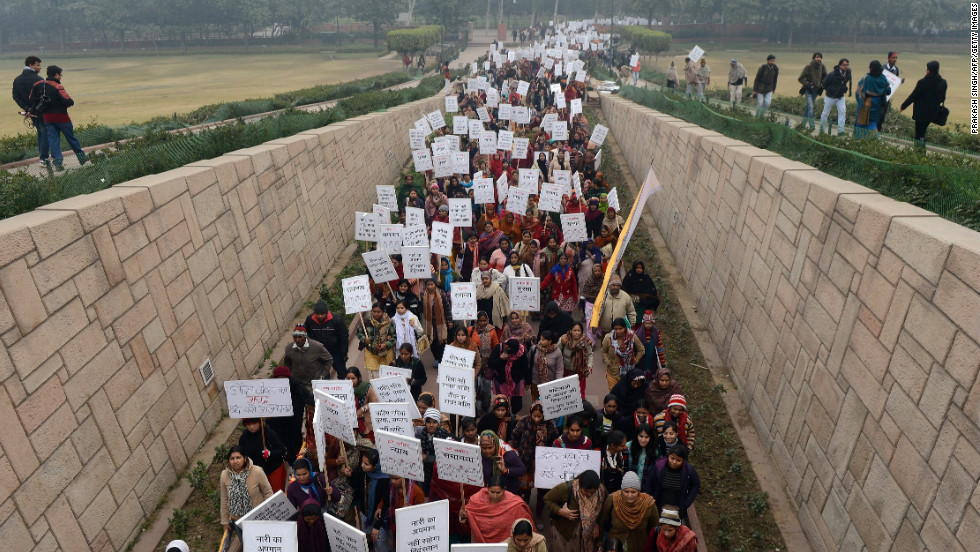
(44, 162)
(82, 158)
(59, 165)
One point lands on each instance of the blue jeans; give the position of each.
(54, 139)
(810, 98)
(42, 138)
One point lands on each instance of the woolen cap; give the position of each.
(677, 400)
(432, 414)
(299, 331)
(670, 517)
(631, 481)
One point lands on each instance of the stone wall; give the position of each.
(849, 322)
(110, 303)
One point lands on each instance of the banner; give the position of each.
(554, 466)
(457, 391)
(524, 293)
(343, 537)
(560, 397)
(400, 455)
(463, 300)
(357, 294)
(275, 508)
(392, 417)
(263, 398)
(423, 528)
(459, 462)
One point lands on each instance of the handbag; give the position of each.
(423, 344)
(942, 114)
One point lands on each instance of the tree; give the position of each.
(376, 12)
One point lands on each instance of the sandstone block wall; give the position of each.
(111, 301)
(849, 322)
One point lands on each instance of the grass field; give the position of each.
(119, 90)
(955, 69)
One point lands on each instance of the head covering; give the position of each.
(444, 208)
(178, 545)
(615, 279)
(648, 316)
(320, 308)
(281, 372)
(434, 187)
(734, 60)
(677, 400)
(501, 400)
(299, 331)
(890, 54)
(670, 517)
(875, 68)
(311, 538)
(432, 414)
(631, 481)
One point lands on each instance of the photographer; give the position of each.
(22, 96)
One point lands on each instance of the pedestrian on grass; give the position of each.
(691, 76)
(23, 85)
(765, 84)
(672, 76)
(892, 67)
(56, 119)
(871, 92)
(928, 95)
(736, 78)
(811, 78)
(837, 84)
(704, 76)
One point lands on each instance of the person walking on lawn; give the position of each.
(56, 118)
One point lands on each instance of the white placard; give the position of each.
(275, 508)
(422, 159)
(415, 236)
(577, 184)
(460, 212)
(573, 226)
(457, 391)
(441, 241)
(384, 213)
(695, 55)
(580, 76)
(475, 129)
(517, 200)
(400, 455)
(894, 81)
(493, 97)
(548, 120)
(527, 179)
(563, 179)
(459, 462)
(482, 113)
(332, 416)
(366, 227)
(343, 537)
(559, 68)
(452, 104)
(416, 139)
(416, 262)
(525, 294)
(483, 191)
(599, 135)
(463, 300)
(379, 266)
(488, 142)
(560, 397)
(522, 88)
(555, 88)
(559, 130)
(598, 160)
(343, 391)
(393, 417)
(394, 389)
(521, 115)
(442, 165)
(456, 357)
(503, 112)
(386, 371)
(612, 199)
(560, 103)
(390, 238)
(505, 140)
(435, 120)
(634, 59)
(520, 148)
(461, 162)
(263, 398)
(460, 124)
(426, 527)
(264, 536)
(502, 187)
(387, 197)
(423, 125)
(357, 294)
(440, 147)
(414, 216)
(550, 198)
(554, 466)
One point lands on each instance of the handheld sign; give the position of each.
(387, 197)
(563, 179)
(520, 148)
(456, 357)
(440, 147)
(503, 112)
(379, 265)
(577, 184)
(275, 508)
(459, 462)
(483, 191)
(390, 238)
(392, 417)
(560, 104)
(634, 60)
(357, 294)
(505, 140)
(695, 55)
(598, 159)
(493, 97)
(554, 466)
(441, 241)
(266, 536)
(520, 115)
(488, 142)
(415, 236)
(383, 213)
(424, 126)
(459, 124)
(548, 120)
(599, 135)
(481, 547)
(525, 294)
(423, 528)
(342, 390)
(460, 212)
(394, 389)
(435, 120)
(366, 227)
(517, 200)
(416, 262)
(452, 104)
(343, 537)
(457, 391)
(400, 455)
(527, 180)
(422, 159)
(264, 398)
(559, 130)
(331, 415)
(550, 198)
(414, 216)
(522, 88)
(442, 165)
(475, 129)
(482, 113)
(574, 226)
(461, 162)
(894, 80)
(416, 139)
(386, 371)
(463, 300)
(502, 188)
(612, 199)
(560, 397)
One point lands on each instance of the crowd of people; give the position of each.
(639, 496)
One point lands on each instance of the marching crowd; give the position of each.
(639, 497)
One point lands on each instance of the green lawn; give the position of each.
(121, 89)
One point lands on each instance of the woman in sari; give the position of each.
(509, 363)
(575, 510)
(629, 514)
(490, 298)
(489, 239)
(530, 432)
(377, 340)
(490, 514)
(517, 328)
(576, 351)
(563, 285)
(870, 93)
(364, 395)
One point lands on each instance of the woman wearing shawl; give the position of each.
(403, 292)
(408, 328)
(606, 241)
(444, 489)
(489, 239)
(446, 275)
(546, 361)
(576, 351)
(563, 284)
(372, 496)
(511, 227)
(653, 345)
(524, 539)
(870, 94)
(484, 333)
(629, 514)
(490, 298)
(338, 463)
(531, 223)
(377, 340)
(310, 485)
(364, 395)
(533, 258)
(661, 389)
(243, 487)
(530, 432)
(671, 536)
(613, 221)
(509, 363)
(603, 201)
(470, 257)
(402, 493)
(436, 317)
(542, 162)
(589, 252)
(574, 436)
(517, 328)
(433, 200)
(499, 257)
(641, 288)
(593, 218)
(311, 533)
(498, 419)
(575, 510)
(676, 411)
(621, 350)
(629, 393)
(491, 512)
(523, 245)
(550, 232)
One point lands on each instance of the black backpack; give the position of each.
(43, 102)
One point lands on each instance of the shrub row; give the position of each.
(645, 40)
(414, 40)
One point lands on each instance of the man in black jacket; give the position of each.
(330, 330)
(22, 96)
(56, 117)
(929, 93)
(837, 84)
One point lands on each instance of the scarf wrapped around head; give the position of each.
(485, 337)
(520, 330)
(311, 538)
(632, 514)
(508, 385)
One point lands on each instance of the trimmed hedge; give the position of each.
(645, 40)
(414, 40)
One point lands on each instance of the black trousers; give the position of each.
(920, 129)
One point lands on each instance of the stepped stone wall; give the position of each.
(111, 301)
(848, 320)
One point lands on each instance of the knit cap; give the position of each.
(648, 316)
(178, 545)
(677, 400)
(670, 516)
(281, 372)
(299, 331)
(432, 414)
(631, 481)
